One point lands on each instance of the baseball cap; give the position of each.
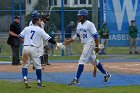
(35, 14)
(83, 12)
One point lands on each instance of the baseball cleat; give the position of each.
(107, 77)
(48, 64)
(27, 85)
(40, 85)
(74, 81)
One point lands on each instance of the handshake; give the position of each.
(60, 45)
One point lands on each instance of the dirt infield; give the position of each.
(116, 67)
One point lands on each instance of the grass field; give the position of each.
(76, 47)
(18, 87)
(76, 57)
(12, 87)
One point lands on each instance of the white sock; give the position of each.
(24, 77)
(38, 81)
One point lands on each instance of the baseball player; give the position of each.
(88, 35)
(36, 14)
(33, 35)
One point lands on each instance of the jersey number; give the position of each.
(84, 35)
(32, 34)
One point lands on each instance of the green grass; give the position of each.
(58, 58)
(6, 50)
(77, 57)
(117, 50)
(10, 87)
(63, 57)
(72, 57)
(50, 58)
(5, 59)
(133, 57)
(77, 49)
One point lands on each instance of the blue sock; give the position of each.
(24, 72)
(100, 67)
(39, 75)
(79, 71)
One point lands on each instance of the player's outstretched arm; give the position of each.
(52, 41)
(67, 42)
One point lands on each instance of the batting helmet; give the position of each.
(35, 14)
(83, 12)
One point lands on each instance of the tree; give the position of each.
(7, 5)
(41, 5)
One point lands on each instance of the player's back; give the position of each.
(33, 36)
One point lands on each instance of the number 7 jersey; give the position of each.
(33, 35)
(86, 31)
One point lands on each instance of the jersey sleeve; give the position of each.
(77, 34)
(22, 34)
(92, 29)
(44, 35)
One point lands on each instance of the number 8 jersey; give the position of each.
(86, 31)
(33, 35)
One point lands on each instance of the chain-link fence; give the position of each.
(24, 9)
(54, 28)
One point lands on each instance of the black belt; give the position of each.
(30, 45)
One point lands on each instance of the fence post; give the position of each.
(20, 13)
(101, 13)
(95, 12)
(13, 10)
(62, 25)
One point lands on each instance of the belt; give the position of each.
(30, 45)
